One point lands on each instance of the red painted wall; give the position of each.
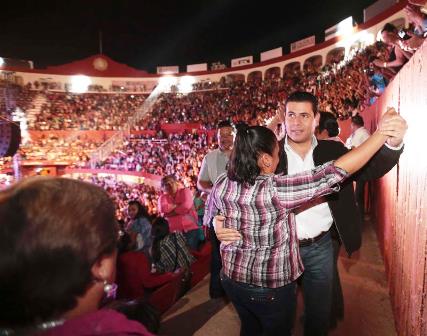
(400, 200)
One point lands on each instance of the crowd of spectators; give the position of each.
(402, 43)
(89, 111)
(241, 102)
(123, 192)
(344, 87)
(74, 149)
(14, 96)
(178, 154)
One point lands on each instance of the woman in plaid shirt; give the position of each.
(260, 269)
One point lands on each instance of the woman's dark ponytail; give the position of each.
(249, 143)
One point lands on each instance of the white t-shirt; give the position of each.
(214, 164)
(358, 137)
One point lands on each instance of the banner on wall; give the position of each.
(345, 26)
(270, 54)
(304, 43)
(236, 62)
(197, 67)
(166, 70)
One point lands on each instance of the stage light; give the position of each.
(365, 37)
(80, 83)
(345, 27)
(1, 61)
(186, 84)
(166, 82)
(361, 38)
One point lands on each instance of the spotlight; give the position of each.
(186, 84)
(80, 83)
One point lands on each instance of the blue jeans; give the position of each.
(317, 279)
(262, 311)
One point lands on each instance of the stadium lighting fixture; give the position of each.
(186, 84)
(166, 82)
(345, 27)
(80, 83)
(350, 38)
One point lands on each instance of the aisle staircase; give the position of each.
(118, 139)
(37, 103)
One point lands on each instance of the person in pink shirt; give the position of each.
(176, 205)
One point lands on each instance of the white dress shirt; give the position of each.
(316, 216)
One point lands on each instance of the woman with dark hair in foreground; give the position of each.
(58, 260)
(260, 269)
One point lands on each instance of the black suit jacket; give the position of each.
(342, 204)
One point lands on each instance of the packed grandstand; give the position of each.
(173, 135)
(57, 120)
(128, 134)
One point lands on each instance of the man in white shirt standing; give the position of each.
(359, 132)
(358, 136)
(213, 165)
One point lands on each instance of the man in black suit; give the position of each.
(329, 222)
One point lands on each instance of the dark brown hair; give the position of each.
(251, 141)
(52, 230)
(303, 97)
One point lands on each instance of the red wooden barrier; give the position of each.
(400, 202)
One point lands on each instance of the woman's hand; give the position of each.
(394, 126)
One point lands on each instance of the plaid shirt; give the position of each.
(174, 252)
(268, 253)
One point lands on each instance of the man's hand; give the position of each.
(225, 236)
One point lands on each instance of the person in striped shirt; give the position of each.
(259, 270)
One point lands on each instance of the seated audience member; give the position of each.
(58, 260)
(140, 227)
(259, 271)
(418, 19)
(328, 128)
(176, 205)
(399, 54)
(170, 250)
